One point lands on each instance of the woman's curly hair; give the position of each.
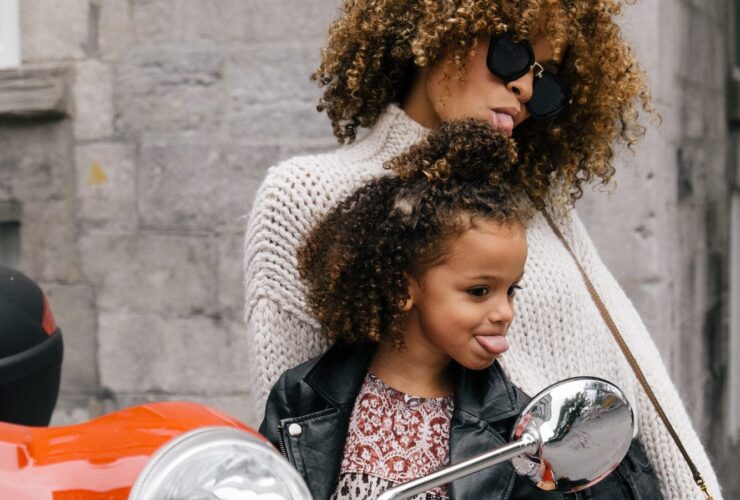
(375, 46)
(357, 259)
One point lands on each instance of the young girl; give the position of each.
(413, 277)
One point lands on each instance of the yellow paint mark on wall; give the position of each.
(97, 175)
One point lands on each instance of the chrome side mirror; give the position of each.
(569, 437)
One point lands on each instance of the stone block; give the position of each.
(240, 371)
(270, 73)
(199, 185)
(39, 92)
(675, 47)
(114, 29)
(73, 307)
(627, 244)
(231, 20)
(48, 241)
(36, 172)
(713, 10)
(641, 28)
(239, 406)
(93, 100)
(213, 20)
(53, 30)
(154, 20)
(10, 211)
(690, 165)
(36, 161)
(106, 184)
(7, 169)
(150, 272)
(230, 274)
(715, 113)
(285, 122)
(654, 300)
(626, 219)
(669, 53)
(170, 89)
(288, 19)
(699, 45)
(165, 354)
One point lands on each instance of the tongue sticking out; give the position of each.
(504, 122)
(494, 344)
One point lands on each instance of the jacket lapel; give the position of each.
(486, 404)
(317, 452)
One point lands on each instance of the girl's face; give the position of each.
(462, 307)
(480, 94)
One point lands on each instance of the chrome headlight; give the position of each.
(218, 463)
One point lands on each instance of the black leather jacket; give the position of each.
(308, 412)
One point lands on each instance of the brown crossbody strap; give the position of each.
(631, 359)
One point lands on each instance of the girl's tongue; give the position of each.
(504, 122)
(494, 344)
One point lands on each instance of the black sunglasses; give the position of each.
(510, 60)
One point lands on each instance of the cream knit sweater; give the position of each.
(557, 332)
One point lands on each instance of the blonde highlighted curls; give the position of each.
(375, 47)
(356, 260)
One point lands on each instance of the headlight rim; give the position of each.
(172, 447)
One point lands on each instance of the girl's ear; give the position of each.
(413, 289)
(406, 305)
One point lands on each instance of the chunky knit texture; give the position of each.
(557, 333)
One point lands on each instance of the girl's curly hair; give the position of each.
(374, 48)
(356, 260)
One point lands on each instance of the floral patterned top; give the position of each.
(393, 438)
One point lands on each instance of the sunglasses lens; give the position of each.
(507, 59)
(549, 97)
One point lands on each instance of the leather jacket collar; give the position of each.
(323, 396)
(488, 395)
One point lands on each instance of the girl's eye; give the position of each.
(479, 291)
(511, 292)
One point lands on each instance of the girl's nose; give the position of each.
(502, 311)
(522, 87)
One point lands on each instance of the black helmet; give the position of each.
(30, 352)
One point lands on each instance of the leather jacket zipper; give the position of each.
(281, 443)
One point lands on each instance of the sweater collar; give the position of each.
(392, 134)
(401, 123)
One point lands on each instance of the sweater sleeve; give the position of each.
(674, 474)
(281, 333)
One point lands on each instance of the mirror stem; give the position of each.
(528, 443)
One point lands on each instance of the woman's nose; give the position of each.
(522, 87)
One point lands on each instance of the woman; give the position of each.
(554, 74)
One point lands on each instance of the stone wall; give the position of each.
(134, 193)
(669, 244)
(668, 247)
(134, 198)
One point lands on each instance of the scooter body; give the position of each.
(99, 459)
